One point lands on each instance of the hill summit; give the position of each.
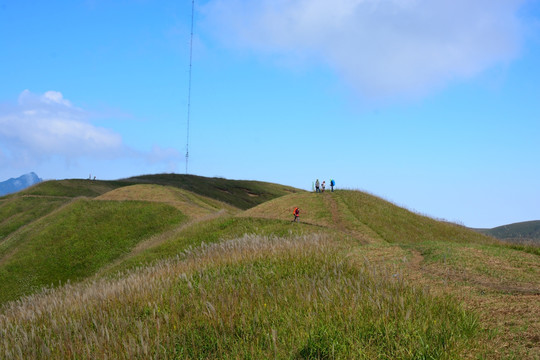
(14, 185)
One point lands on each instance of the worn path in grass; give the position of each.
(501, 284)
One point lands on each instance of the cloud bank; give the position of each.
(380, 47)
(41, 127)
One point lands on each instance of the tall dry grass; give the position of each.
(252, 297)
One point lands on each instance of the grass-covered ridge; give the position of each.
(357, 278)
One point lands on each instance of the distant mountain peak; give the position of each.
(14, 185)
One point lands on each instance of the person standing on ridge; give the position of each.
(323, 185)
(332, 184)
(317, 186)
(296, 213)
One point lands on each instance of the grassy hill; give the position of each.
(522, 232)
(76, 241)
(181, 268)
(71, 229)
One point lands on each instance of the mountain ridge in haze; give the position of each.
(14, 185)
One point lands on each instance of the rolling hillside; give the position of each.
(191, 267)
(71, 229)
(522, 232)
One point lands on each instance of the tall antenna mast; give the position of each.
(189, 87)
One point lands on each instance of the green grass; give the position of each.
(17, 212)
(78, 240)
(502, 267)
(398, 225)
(313, 209)
(208, 232)
(529, 248)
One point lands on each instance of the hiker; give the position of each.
(296, 213)
(317, 186)
(332, 184)
(323, 185)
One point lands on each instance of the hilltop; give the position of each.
(179, 266)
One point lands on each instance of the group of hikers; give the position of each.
(318, 188)
(321, 187)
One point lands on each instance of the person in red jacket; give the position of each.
(296, 213)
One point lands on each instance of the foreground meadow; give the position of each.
(253, 297)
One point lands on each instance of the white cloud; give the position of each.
(380, 47)
(29, 99)
(48, 125)
(46, 128)
(55, 97)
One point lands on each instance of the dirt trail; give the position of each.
(356, 230)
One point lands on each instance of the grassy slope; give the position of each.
(47, 235)
(255, 297)
(299, 297)
(94, 235)
(498, 279)
(21, 209)
(18, 212)
(76, 241)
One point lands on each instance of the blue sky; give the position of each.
(433, 105)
